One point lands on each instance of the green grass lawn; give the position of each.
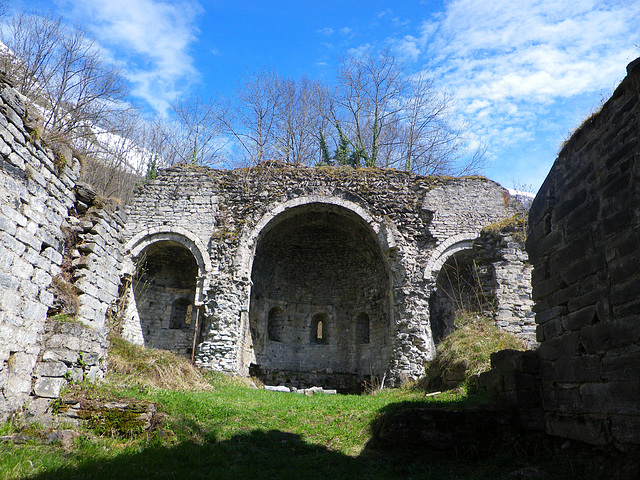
(236, 432)
(216, 427)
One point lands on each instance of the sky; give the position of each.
(522, 73)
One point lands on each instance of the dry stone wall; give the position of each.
(584, 244)
(37, 193)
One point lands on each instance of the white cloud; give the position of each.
(511, 64)
(325, 31)
(411, 47)
(547, 49)
(345, 31)
(408, 47)
(150, 40)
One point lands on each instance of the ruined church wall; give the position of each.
(584, 244)
(410, 216)
(37, 192)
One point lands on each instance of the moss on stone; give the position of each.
(515, 225)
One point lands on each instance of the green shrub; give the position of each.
(466, 351)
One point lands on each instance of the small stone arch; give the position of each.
(164, 297)
(141, 241)
(449, 247)
(320, 329)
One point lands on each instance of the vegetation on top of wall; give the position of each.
(515, 224)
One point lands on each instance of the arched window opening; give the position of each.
(181, 311)
(319, 324)
(362, 328)
(276, 324)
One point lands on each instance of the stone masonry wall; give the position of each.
(229, 213)
(584, 244)
(505, 274)
(36, 195)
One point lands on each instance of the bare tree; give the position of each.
(197, 134)
(369, 90)
(251, 120)
(300, 120)
(395, 120)
(61, 70)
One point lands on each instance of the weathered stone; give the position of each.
(48, 387)
(51, 369)
(584, 247)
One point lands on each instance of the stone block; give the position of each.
(577, 369)
(621, 367)
(588, 299)
(41, 278)
(34, 310)
(12, 244)
(11, 302)
(54, 368)
(28, 238)
(581, 318)
(595, 338)
(8, 281)
(626, 429)
(583, 267)
(63, 341)
(558, 347)
(48, 387)
(8, 226)
(46, 297)
(53, 255)
(585, 428)
(69, 357)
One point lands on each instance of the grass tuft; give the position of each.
(466, 351)
(131, 364)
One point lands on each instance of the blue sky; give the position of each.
(523, 74)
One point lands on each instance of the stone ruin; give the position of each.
(584, 244)
(301, 276)
(328, 276)
(310, 276)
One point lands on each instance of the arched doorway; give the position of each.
(164, 288)
(320, 301)
(457, 288)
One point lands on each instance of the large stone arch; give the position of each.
(383, 230)
(317, 267)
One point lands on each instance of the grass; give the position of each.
(466, 351)
(230, 430)
(151, 368)
(517, 225)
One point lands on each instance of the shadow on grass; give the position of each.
(255, 455)
(280, 455)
